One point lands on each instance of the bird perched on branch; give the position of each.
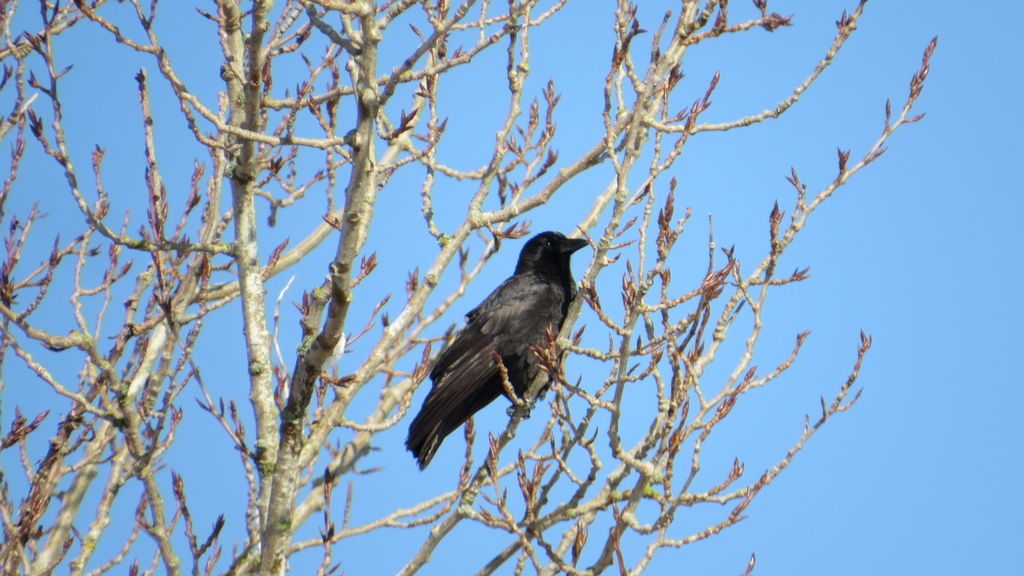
(515, 317)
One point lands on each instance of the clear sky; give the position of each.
(923, 475)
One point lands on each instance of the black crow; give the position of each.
(507, 323)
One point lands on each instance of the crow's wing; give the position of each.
(514, 317)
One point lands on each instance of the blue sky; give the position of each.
(922, 476)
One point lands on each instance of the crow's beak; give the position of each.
(573, 244)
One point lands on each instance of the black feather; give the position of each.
(508, 322)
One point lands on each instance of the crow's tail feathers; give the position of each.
(424, 438)
(445, 409)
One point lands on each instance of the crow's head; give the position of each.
(548, 251)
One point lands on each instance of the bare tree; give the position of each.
(314, 122)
